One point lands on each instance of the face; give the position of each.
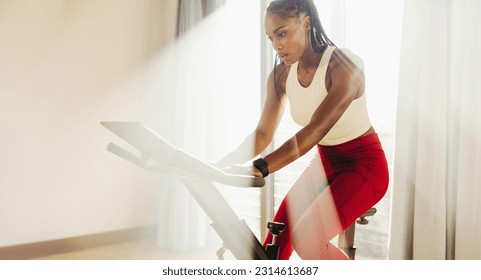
(289, 37)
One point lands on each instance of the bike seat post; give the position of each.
(346, 238)
(272, 250)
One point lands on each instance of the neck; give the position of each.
(309, 59)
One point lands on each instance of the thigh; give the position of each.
(309, 185)
(320, 222)
(353, 195)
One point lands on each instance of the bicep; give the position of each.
(346, 75)
(346, 83)
(273, 109)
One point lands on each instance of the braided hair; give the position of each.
(293, 9)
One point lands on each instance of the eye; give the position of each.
(270, 38)
(282, 34)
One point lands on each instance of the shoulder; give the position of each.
(279, 74)
(281, 70)
(345, 69)
(346, 57)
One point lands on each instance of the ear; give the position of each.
(307, 22)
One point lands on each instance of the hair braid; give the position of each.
(294, 8)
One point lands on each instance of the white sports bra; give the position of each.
(304, 101)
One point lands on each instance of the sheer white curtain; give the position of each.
(183, 226)
(436, 208)
(209, 108)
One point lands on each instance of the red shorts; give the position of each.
(357, 173)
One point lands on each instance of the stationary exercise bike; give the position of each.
(155, 154)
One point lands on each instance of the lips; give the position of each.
(284, 57)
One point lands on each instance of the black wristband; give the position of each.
(262, 166)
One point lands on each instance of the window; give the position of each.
(372, 29)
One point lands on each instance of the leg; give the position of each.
(348, 196)
(358, 178)
(319, 224)
(304, 191)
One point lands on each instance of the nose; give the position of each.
(277, 45)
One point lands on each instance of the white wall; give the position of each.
(65, 66)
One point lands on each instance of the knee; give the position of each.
(310, 247)
(317, 249)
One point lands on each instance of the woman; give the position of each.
(325, 88)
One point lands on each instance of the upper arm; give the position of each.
(345, 82)
(346, 75)
(274, 104)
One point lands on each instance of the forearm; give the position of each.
(252, 146)
(294, 148)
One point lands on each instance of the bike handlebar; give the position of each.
(158, 155)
